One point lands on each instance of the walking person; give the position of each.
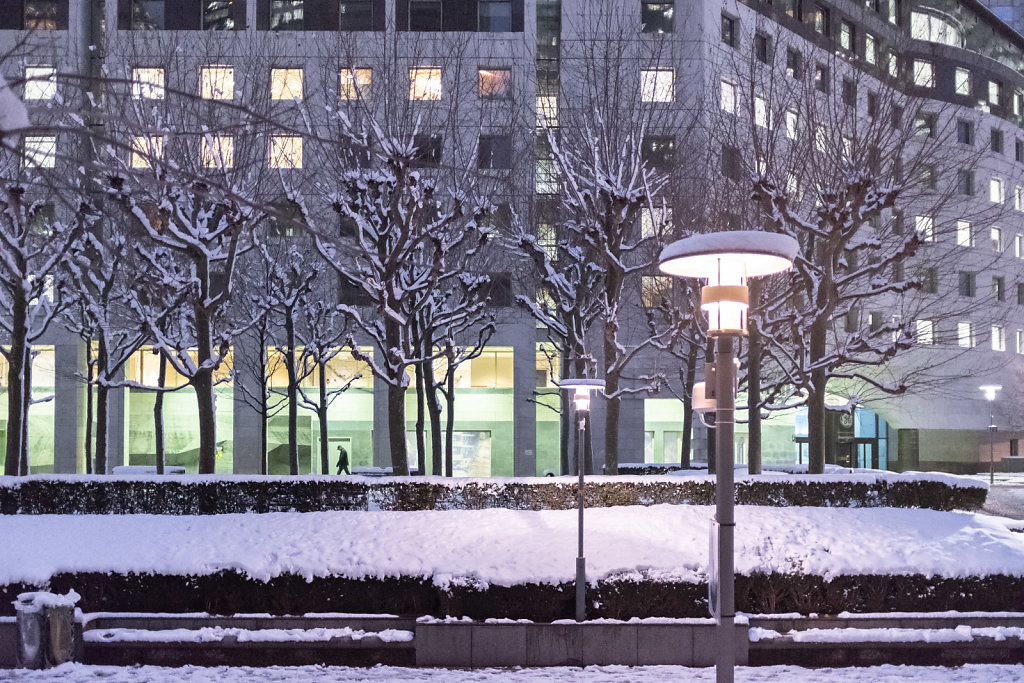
(342, 460)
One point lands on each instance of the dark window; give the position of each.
(898, 222)
(147, 15)
(347, 227)
(355, 15)
(499, 289)
(286, 220)
(287, 15)
(1014, 448)
(659, 152)
(794, 63)
(820, 19)
(656, 17)
(852, 322)
(996, 141)
(821, 78)
(40, 15)
(428, 150)
(965, 182)
(965, 132)
(495, 16)
(849, 92)
(730, 34)
(41, 219)
(217, 15)
(351, 294)
(924, 124)
(897, 116)
(929, 279)
(927, 177)
(731, 162)
(357, 155)
(1018, 150)
(791, 8)
(425, 15)
(999, 287)
(762, 48)
(875, 321)
(1020, 293)
(872, 5)
(873, 105)
(966, 287)
(494, 152)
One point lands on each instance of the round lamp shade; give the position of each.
(750, 252)
(582, 383)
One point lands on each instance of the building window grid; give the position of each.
(964, 234)
(148, 83)
(657, 85)
(40, 83)
(286, 84)
(998, 338)
(217, 82)
(965, 334)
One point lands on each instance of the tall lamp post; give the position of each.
(990, 395)
(726, 260)
(581, 399)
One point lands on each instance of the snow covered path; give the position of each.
(77, 673)
(507, 547)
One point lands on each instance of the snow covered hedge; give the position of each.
(190, 495)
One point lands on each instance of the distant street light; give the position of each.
(726, 260)
(581, 399)
(990, 395)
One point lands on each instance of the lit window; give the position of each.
(1018, 246)
(964, 234)
(547, 111)
(962, 81)
(729, 97)
(657, 85)
(925, 331)
(1020, 341)
(425, 83)
(495, 84)
(217, 151)
(792, 124)
(40, 15)
(355, 84)
(995, 90)
(1018, 198)
(924, 73)
(996, 239)
(217, 83)
(996, 193)
(40, 151)
(821, 138)
(40, 83)
(654, 222)
(925, 228)
(965, 334)
(285, 151)
(870, 49)
(762, 116)
(146, 149)
(847, 36)
(656, 290)
(148, 84)
(998, 338)
(286, 84)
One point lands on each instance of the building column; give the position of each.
(381, 439)
(245, 423)
(631, 429)
(69, 369)
(117, 415)
(524, 410)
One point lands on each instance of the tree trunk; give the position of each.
(753, 383)
(816, 404)
(321, 416)
(16, 389)
(90, 376)
(611, 434)
(264, 419)
(28, 405)
(688, 382)
(449, 425)
(158, 414)
(397, 382)
(293, 394)
(421, 412)
(437, 459)
(102, 409)
(565, 429)
(203, 384)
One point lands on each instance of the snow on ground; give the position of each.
(216, 634)
(77, 673)
(508, 547)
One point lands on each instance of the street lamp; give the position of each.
(581, 399)
(726, 260)
(990, 395)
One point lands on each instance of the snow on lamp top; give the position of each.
(726, 260)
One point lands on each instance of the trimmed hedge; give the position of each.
(230, 593)
(194, 496)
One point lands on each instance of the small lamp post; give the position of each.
(726, 260)
(581, 399)
(990, 395)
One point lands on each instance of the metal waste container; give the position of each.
(46, 629)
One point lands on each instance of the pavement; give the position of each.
(1005, 495)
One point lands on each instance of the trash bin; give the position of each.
(46, 629)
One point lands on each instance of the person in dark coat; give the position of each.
(343, 460)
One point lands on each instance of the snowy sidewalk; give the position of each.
(506, 547)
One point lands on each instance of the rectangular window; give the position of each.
(148, 84)
(285, 151)
(996, 141)
(996, 239)
(654, 221)
(924, 332)
(147, 15)
(428, 150)
(996, 191)
(820, 18)
(656, 17)
(146, 149)
(658, 151)
(924, 124)
(1020, 293)
(425, 83)
(494, 152)
(1018, 198)
(495, 16)
(495, 84)
(217, 151)
(40, 15)
(872, 105)
(217, 83)
(998, 338)
(928, 278)
(924, 73)
(217, 15)
(847, 36)
(762, 114)
(999, 288)
(849, 92)
(355, 15)
(728, 101)
(355, 83)
(656, 290)
(966, 283)
(965, 334)
(1018, 151)
(871, 49)
(762, 48)
(925, 226)
(40, 151)
(729, 30)
(287, 15)
(425, 15)
(40, 83)
(1020, 342)
(794, 63)
(964, 234)
(792, 124)
(962, 81)
(821, 78)
(995, 92)
(965, 182)
(1018, 103)
(286, 84)
(657, 85)
(964, 132)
